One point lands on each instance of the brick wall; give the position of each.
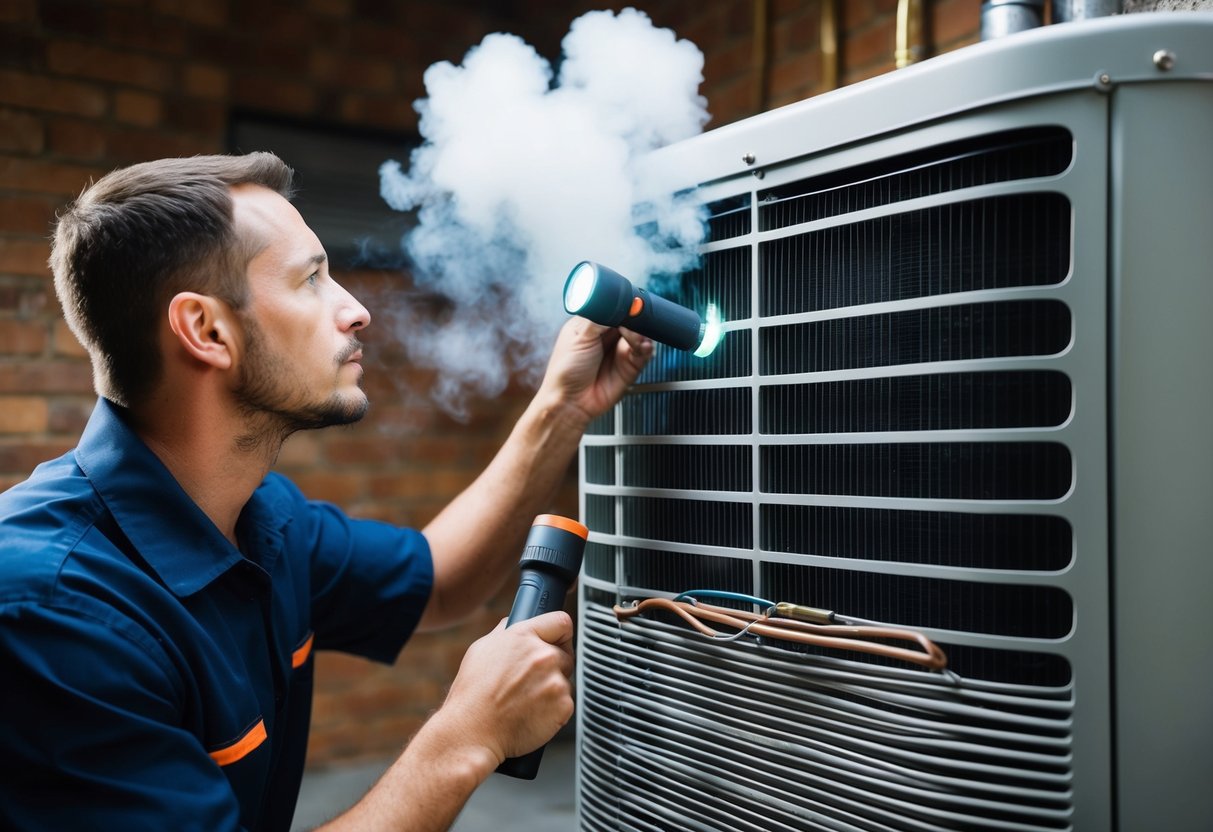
(88, 85)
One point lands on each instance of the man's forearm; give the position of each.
(427, 786)
(476, 538)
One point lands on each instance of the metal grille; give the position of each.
(881, 433)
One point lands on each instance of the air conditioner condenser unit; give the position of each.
(965, 389)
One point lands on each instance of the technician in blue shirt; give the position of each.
(161, 592)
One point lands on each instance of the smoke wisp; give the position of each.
(522, 173)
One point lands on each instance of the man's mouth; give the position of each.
(351, 354)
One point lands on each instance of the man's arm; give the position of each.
(475, 540)
(510, 696)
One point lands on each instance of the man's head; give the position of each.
(140, 235)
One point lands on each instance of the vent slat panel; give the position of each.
(862, 758)
(936, 470)
(966, 332)
(981, 541)
(944, 401)
(982, 160)
(995, 243)
(725, 410)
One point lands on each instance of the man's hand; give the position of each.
(592, 365)
(511, 696)
(512, 692)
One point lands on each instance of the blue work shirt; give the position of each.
(152, 675)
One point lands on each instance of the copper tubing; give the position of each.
(840, 637)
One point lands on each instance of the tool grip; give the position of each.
(550, 563)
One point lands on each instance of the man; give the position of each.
(161, 591)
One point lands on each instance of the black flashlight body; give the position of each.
(550, 562)
(613, 301)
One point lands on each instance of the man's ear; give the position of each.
(205, 327)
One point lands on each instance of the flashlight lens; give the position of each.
(713, 331)
(579, 287)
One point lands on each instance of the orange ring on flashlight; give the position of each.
(637, 306)
(558, 522)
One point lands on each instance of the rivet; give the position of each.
(749, 158)
(1164, 59)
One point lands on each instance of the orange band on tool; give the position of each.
(637, 307)
(556, 521)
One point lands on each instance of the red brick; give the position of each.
(24, 89)
(136, 29)
(732, 61)
(330, 8)
(27, 214)
(390, 112)
(24, 297)
(85, 140)
(191, 115)
(23, 414)
(76, 17)
(24, 456)
(366, 74)
(439, 485)
(202, 12)
(873, 45)
(339, 488)
(21, 132)
(349, 449)
(39, 376)
(954, 23)
(18, 11)
(302, 449)
(45, 177)
(798, 33)
(69, 415)
(273, 94)
(19, 337)
(86, 60)
(856, 75)
(66, 345)
(798, 74)
(131, 144)
(204, 81)
(138, 108)
(19, 256)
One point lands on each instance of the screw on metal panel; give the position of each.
(1164, 59)
(1103, 81)
(749, 158)
(758, 174)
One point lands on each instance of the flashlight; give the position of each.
(550, 562)
(606, 297)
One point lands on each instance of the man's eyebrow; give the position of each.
(314, 260)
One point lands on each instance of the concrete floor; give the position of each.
(501, 804)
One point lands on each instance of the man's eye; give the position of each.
(313, 278)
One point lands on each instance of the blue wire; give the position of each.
(720, 593)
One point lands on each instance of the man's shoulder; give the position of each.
(42, 520)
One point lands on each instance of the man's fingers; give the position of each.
(553, 627)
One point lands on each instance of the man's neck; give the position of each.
(214, 456)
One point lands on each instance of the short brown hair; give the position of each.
(140, 235)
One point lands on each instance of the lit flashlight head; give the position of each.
(606, 297)
(598, 293)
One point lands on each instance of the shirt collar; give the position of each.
(169, 530)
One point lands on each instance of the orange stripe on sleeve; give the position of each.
(242, 747)
(303, 651)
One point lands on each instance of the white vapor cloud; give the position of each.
(520, 176)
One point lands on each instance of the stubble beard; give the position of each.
(272, 410)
